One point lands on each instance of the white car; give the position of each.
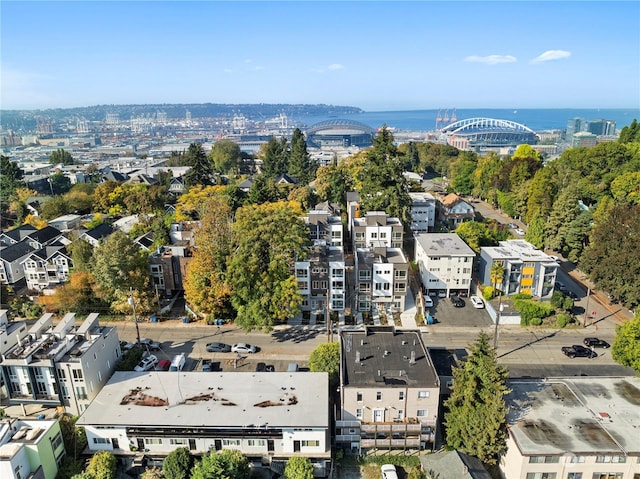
(388, 471)
(477, 302)
(519, 232)
(150, 344)
(428, 302)
(243, 348)
(146, 364)
(555, 258)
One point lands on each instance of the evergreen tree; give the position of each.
(178, 464)
(300, 166)
(476, 416)
(275, 157)
(625, 349)
(201, 172)
(61, 157)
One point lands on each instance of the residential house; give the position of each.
(325, 227)
(97, 234)
(16, 235)
(168, 266)
(38, 183)
(114, 176)
(66, 222)
(11, 257)
(126, 223)
(377, 226)
(382, 278)
(527, 269)
(285, 179)
(30, 449)
(423, 211)
(445, 263)
(269, 417)
(177, 186)
(45, 236)
(47, 267)
(389, 392)
(65, 365)
(453, 465)
(245, 185)
(572, 428)
(183, 233)
(454, 210)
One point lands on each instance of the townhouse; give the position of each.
(445, 263)
(573, 428)
(47, 267)
(389, 392)
(454, 210)
(65, 365)
(376, 226)
(527, 270)
(423, 211)
(269, 417)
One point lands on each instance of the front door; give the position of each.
(378, 415)
(192, 444)
(218, 444)
(296, 446)
(270, 446)
(114, 443)
(140, 444)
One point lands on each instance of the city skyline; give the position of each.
(374, 55)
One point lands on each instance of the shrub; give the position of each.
(531, 310)
(536, 321)
(563, 319)
(557, 299)
(487, 292)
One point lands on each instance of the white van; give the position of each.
(293, 367)
(178, 362)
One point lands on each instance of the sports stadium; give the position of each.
(478, 133)
(339, 133)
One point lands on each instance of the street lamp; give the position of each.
(132, 303)
(495, 331)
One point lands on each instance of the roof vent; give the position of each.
(357, 356)
(386, 353)
(413, 357)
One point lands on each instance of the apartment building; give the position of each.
(445, 263)
(321, 278)
(168, 266)
(389, 392)
(30, 449)
(382, 278)
(455, 210)
(47, 267)
(423, 211)
(573, 428)
(325, 227)
(269, 417)
(376, 226)
(65, 365)
(527, 270)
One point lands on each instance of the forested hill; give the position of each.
(16, 118)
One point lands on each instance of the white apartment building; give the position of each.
(46, 268)
(445, 262)
(423, 211)
(527, 269)
(321, 278)
(573, 428)
(376, 227)
(65, 365)
(269, 417)
(382, 278)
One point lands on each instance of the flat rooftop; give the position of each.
(217, 399)
(385, 355)
(517, 249)
(579, 415)
(443, 244)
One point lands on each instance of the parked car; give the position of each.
(243, 348)
(218, 348)
(146, 363)
(477, 302)
(578, 351)
(178, 362)
(596, 343)
(512, 226)
(560, 286)
(457, 301)
(128, 346)
(261, 367)
(442, 294)
(270, 368)
(149, 344)
(388, 471)
(570, 294)
(555, 258)
(519, 232)
(428, 302)
(206, 366)
(163, 365)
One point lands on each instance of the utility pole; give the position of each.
(132, 302)
(329, 338)
(586, 308)
(495, 331)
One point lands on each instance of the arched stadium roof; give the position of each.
(471, 125)
(341, 125)
(490, 132)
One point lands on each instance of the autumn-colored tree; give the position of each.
(77, 294)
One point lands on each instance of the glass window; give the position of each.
(541, 475)
(423, 394)
(401, 395)
(574, 475)
(421, 412)
(358, 396)
(379, 396)
(359, 413)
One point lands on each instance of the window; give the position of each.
(302, 285)
(56, 441)
(541, 475)
(338, 273)
(577, 459)
(77, 374)
(81, 392)
(153, 440)
(544, 459)
(574, 475)
(358, 413)
(315, 443)
(231, 442)
(423, 394)
(612, 459)
(178, 442)
(302, 273)
(379, 396)
(256, 442)
(608, 475)
(359, 396)
(100, 440)
(400, 395)
(421, 413)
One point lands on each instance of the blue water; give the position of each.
(536, 119)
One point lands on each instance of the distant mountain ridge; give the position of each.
(21, 118)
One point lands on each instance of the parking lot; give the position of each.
(446, 314)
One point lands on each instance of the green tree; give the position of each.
(298, 467)
(630, 133)
(626, 188)
(275, 157)
(60, 184)
(263, 190)
(226, 156)
(461, 172)
(535, 233)
(81, 475)
(54, 207)
(326, 358)
(625, 349)
(300, 166)
(496, 273)
(102, 465)
(268, 239)
(201, 172)
(476, 417)
(227, 464)
(152, 473)
(10, 179)
(178, 464)
(61, 157)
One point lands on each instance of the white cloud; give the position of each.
(335, 66)
(551, 55)
(491, 59)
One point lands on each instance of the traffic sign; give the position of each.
(593, 313)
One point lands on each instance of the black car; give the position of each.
(218, 348)
(570, 294)
(596, 343)
(457, 301)
(578, 351)
(261, 367)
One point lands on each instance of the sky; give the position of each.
(376, 55)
